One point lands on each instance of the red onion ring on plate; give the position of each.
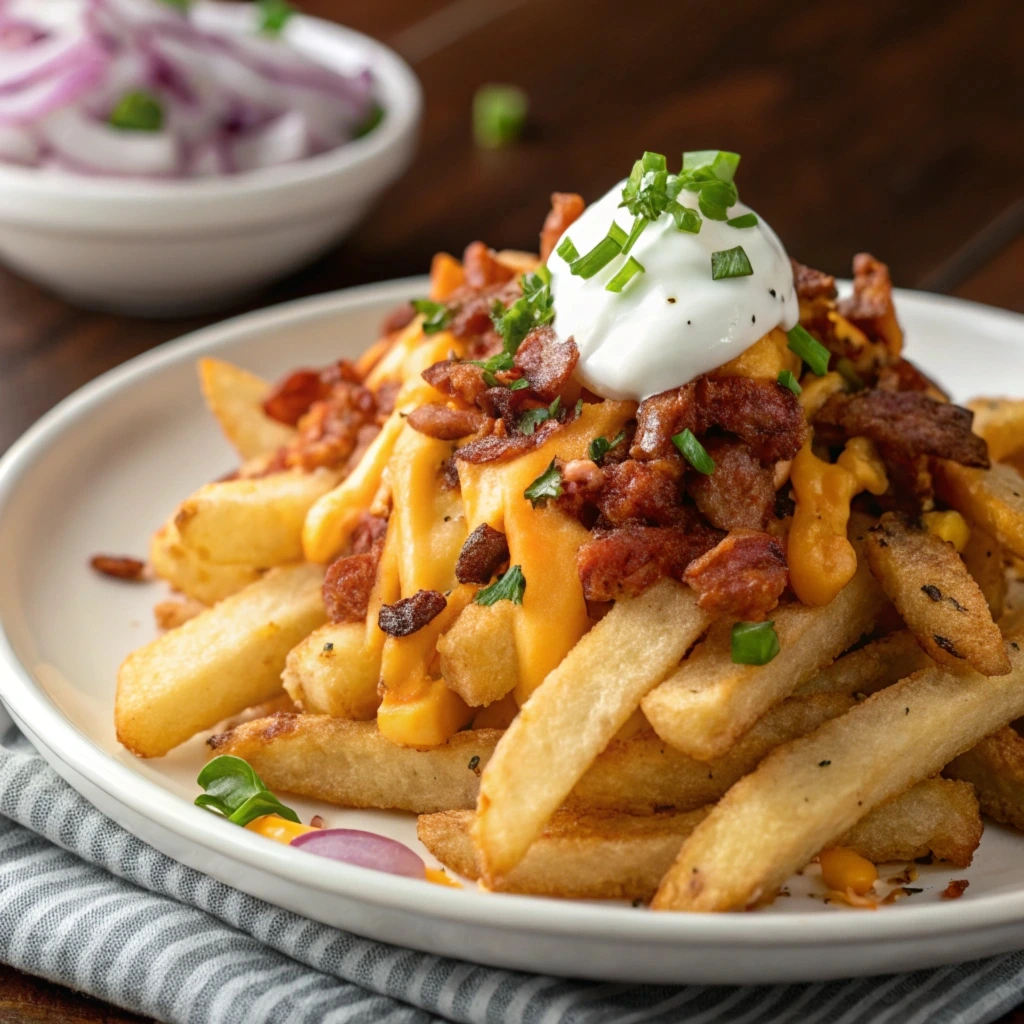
(364, 849)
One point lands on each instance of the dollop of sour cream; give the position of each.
(673, 322)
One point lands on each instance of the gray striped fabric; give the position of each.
(86, 904)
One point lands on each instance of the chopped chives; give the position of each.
(754, 643)
(694, 452)
(635, 232)
(499, 115)
(274, 15)
(744, 220)
(685, 218)
(788, 380)
(617, 233)
(567, 250)
(730, 263)
(625, 275)
(597, 259)
(809, 349)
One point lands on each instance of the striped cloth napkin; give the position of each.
(86, 904)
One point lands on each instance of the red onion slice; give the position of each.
(364, 849)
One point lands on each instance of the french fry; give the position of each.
(983, 556)
(709, 702)
(335, 672)
(813, 789)
(993, 498)
(478, 654)
(870, 668)
(574, 714)
(937, 597)
(173, 613)
(1000, 421)
(197, 578)
(254, 522)
(217, 664)
(235, 397)
(600, 856)
(995, 767)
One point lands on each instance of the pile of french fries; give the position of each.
(623, 758)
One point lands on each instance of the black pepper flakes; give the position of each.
(824, 764)
(932, 591)
(947, 645)
(474, 763)
(328, 646)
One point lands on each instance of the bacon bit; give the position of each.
(546, 362)
(472, 317)
(119, 567)
(291, 398)
(566, 208)
(642, 491)
(903, 375)
(743, 576)
(444, 423)
(955, 889)
(316, 821)
(400, 317)
(812, 284)
(740, 494)
(502, 447)
(456, 380)
(333, 428)
(872, 290)
(584, 472)
(369, 531)
(405, 617)
(348, 585)
(481, 267)
(484, 552)
(171, 614)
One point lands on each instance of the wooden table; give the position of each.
(863, 124)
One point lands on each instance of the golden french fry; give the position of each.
(173, 613)
(983, 556)
(217, 664)
(573, 715)
(870, 668)
(478, 654)
(709, 701)
(1000, 421)
(995, 767)
(993, 498)
(255, 522)
(197, 578)
(235, 397)
(936, 596)
(807, 792)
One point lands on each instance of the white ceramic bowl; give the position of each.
(171, 247)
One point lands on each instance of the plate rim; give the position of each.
(523, 914)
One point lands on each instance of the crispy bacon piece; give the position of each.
(484, 552)
(119, 567)
(872, 290)
(502, 447)
(812, 284)
(906, 423)
(369, 531)
(405, 617)
(626, 561)
(546, 362)
(456, 380)
(473, 310)
(761, 412)
(333, 428)
(482, 269)
(502, 403)
(740, 494)
(448, 474)
(566, 207)
(348, 584)
(291, 398)
(641, 492)
(445, 423)
(401, 316)
(743, 576)
(955, 889)
(903, 375)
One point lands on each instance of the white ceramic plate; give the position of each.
(101, 471)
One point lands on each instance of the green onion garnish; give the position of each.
(532, 418)
(499, 115)
(436, 315)
(634, 233)
(617, 234)
(182, 5)
(809, 349)
(138, 112)
(375, 117)
(631, 268)
(519, 385)
(601, 446)
(547, 486)
(730, 263)
(708, 163)
(848, 372)
(754, 643)
(597, 259)
(234, 790)
(567, 250)
(507, 587)
(744, 220)
(274, 15)
(694, 452)
(714, 197)
(685, 218)
(532, 310)
(787, 380)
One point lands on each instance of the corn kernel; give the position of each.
(842, 870)
(949, 526)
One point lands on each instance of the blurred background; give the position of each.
(870, 125)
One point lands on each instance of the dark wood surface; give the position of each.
(892, 127)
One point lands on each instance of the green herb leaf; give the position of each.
(519, 385)
(744, 220)
(533, 309)
(235, 791)
(532, 418)
(507, 587)
(714, 197)
(809, 349)
(787, 380)
(373, 119)
(597, 259)
(601, 446)
(437, 315)
(694, 452)
(497, 363)
(754, 643)
(685, 218)
(182, 5)
(547, 486)
(138, 111)
(567, 250)
(274, 15)
(848, 372)
(730, 263)
(711, 163)
(499, 115)
(631, 268)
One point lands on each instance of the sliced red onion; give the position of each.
(281, 142)
(365, 849)
(93, 144)
(19, 146)
(35, 102)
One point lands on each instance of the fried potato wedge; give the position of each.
(618, 856)
(993, 498)
(197, 578)
(572, 716)
(256, 522)
(1000, 421)
(937, 597)
(219, 663)
(983, 556)
(870, 668)
(813, 789)
(709, 702)
(478, 654)
(995, 767)
(335, 672)
(235, 397)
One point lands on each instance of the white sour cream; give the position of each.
(673, 322)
